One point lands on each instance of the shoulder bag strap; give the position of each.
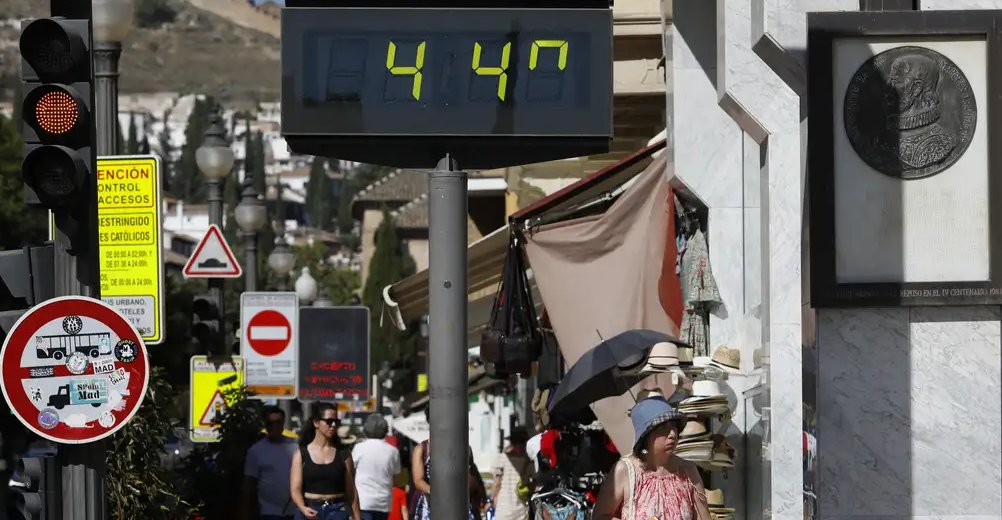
(631, 470)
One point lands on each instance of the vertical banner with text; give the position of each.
(129, 233)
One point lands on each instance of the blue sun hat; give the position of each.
(651, 412)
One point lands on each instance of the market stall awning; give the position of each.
(407, 300)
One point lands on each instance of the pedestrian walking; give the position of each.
(377, 462)
(421, 472)
(513, 472)
(322, 478)
(266, 472)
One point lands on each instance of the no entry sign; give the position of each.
(270, 343)
(73, 370)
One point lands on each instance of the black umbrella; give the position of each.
(595, 376)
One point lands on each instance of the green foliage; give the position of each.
(176, 351)
(213, 473)
(167, 156)
(191, 186)
(338, 284)
(21, 225)
(132, 143)
(257, 172)
(154, 13)
(141, 487)
(319, 195)
(389, 264)
(344, 221)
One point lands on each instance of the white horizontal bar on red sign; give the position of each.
(266, 333)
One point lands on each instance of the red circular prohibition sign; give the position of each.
(14, 374)
(269, 333)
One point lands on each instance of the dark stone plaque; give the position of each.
(910, 112)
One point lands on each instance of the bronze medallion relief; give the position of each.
(910, 112)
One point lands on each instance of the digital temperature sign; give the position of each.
(405, 86)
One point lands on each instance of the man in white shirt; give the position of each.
(266, 472)
(377, 462)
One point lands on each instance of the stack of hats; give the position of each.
(723, 454)
(706, 399)
(663, 358)
(715, 499)
(694, 443)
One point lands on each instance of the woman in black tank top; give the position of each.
(322, 480)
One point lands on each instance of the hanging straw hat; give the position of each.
(663, 358)
(727, 359)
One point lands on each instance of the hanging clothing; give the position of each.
(512, 469)
(700, 293)
(667, 496)
(546, 511)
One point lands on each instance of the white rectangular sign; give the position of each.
(269, 343)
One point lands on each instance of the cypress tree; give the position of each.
(260, 183)
(192, 186)
(21, 225)
(167, 157)
(132, 144)
(389, 264)
(319, 203)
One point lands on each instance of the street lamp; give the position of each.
(281, 261)
(251, 215)
(112, 21)
(306, 287)
(214, 159)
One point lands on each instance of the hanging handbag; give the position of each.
(512, 340)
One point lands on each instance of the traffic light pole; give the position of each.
(82, 466)
(448, 382)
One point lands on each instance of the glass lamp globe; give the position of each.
(281, 260)
(306, 286)
(113, 20)
(251, 213)
(214, 157)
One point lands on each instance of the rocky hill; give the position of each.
(227, 48)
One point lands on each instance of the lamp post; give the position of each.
(251, 215)
(112, 21)
(281, 261)
(214, 159)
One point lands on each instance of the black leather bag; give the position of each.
(512, 340)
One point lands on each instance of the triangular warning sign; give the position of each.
(213, 258)
(217, 405)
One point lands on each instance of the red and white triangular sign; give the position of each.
(213, 258)
(217, 405)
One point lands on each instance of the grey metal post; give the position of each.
(106, 57)
(215, 197)
(82, 466)
(448, 384)
(250, 270)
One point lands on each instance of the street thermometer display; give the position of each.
(489, 86)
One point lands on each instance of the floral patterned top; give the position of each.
(653, 496)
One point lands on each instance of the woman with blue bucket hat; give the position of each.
(653, 483)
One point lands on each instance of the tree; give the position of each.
(167, 156)
(389, 264)
(21, 225)
(151, 14)
(119, 137)
(319, 203)
(144, 145)
(142, 488)
(191, 187)
(132, 144)
(16, 101)
(337, 284)
(344, 221)
(258, 173)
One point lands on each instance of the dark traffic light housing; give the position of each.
(58, 125)
(205, 324)
(33, 488)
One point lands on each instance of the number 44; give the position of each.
(501, 71)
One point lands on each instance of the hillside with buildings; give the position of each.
(226, 48)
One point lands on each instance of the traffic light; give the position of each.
(32, 481)
(205, 324)
(58, 124)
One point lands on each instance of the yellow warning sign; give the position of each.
(210, 380)
(129, 233)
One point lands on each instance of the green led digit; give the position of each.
(396, 70)
(500, 72)
(548, 44)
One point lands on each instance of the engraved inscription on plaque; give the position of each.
(909, 112)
